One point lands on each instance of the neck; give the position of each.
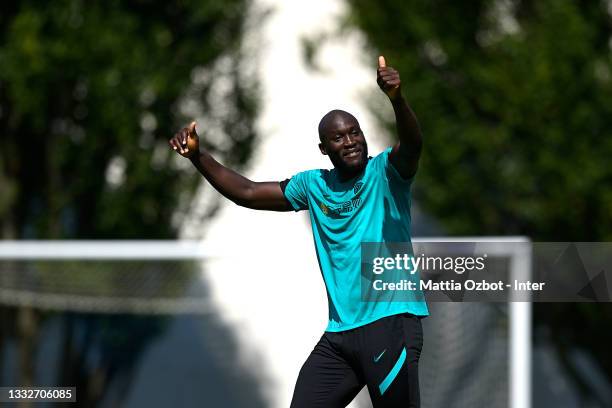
(348, 174)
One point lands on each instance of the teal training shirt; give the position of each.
(373, 207)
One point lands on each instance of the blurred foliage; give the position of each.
(90, 92)
(514, 101)
(89, 96)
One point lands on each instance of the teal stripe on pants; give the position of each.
(393, 373)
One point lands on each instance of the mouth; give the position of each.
(349, 154)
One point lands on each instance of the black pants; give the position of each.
(384, 355)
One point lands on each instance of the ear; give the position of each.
(322, 149)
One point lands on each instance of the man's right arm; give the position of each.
(235, 187)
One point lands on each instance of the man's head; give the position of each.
(343, 141)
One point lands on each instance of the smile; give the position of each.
(354, 153)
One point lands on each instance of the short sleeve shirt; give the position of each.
(372, 207)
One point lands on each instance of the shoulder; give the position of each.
(311, 175)
(382, 164)
(381, 160)
(305, 180)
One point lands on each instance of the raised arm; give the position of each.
(405, 154)
(235, 187)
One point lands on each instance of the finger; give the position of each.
(184, 133)
(381, 62)
(175, 140)
(177, 145)
(392, 82)
(390, 76)
(388, 71)
(192, 129)
(173, 144)
(180, 141)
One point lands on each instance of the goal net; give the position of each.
(475, 354)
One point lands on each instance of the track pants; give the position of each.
(384, 355)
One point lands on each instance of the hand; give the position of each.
(388, 79)
(186, 142)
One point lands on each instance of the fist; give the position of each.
(388, 79)
(186, 142)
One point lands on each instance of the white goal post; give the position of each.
(520, 313)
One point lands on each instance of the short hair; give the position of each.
(331, 115)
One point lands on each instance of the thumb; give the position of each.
(192, 129)
(381, 62)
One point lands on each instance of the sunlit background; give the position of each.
(513, 98)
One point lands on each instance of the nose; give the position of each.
(349, 140)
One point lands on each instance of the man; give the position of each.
(362, 199)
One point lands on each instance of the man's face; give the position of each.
(343, 141)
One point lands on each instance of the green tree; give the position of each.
(513, 99)
(513, 104)
(88, 85)
(90, 92)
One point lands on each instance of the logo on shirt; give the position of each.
(324, 208)
(346, 207)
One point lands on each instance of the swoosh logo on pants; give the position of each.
(379, 356)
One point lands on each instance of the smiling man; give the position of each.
(362, 199)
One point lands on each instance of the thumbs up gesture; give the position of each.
(388, 79)
(186, 142)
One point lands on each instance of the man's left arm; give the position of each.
(406, 152)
